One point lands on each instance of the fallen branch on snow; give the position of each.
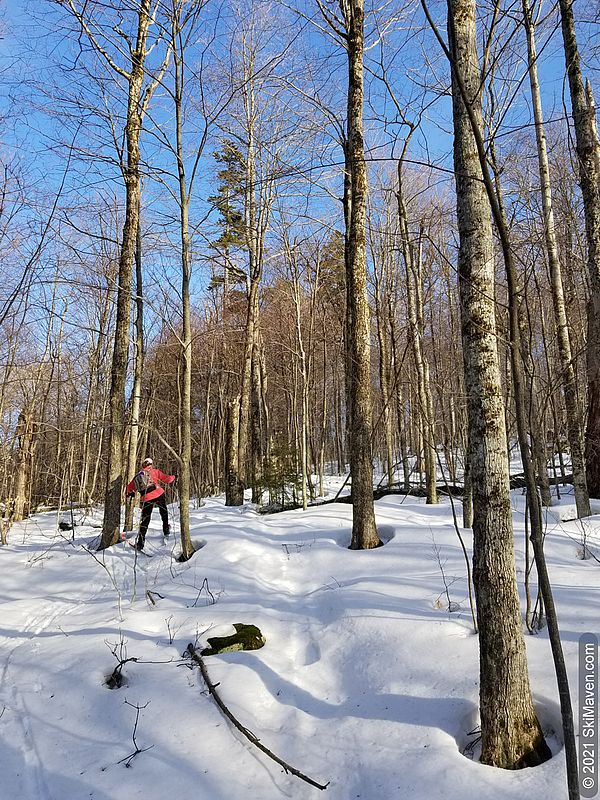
(212, 689)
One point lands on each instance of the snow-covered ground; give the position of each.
(366, 681)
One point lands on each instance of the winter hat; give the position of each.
(146, 462)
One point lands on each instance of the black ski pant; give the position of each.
(147, 508)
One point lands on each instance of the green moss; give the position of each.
(246, 637)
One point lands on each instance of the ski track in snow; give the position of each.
(20, 736)
(17, 725)
(19, 628)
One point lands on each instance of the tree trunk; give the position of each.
(364, 531)
(339, 424)
(114, 470)
(414, 295)
(324, 413)
(467, 503)
(93, 400)
(257, 431)
(384, 384)
(589, 96)
(185, 384)
(511, 734)
(234, 490)
(567, 366)
(257, 204)
(245, 396)
(185, 411)
(297, 297)
(395, 369)
(589, 180)
(136, 393)
(25, 434)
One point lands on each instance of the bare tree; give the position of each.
(413, 265)
(138, 371)
(125, 53)
(349, 28)
(511, 733)
(574, 424)
(185, 17)
(589, 180)
(251, 136)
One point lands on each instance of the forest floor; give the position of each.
(366, 682)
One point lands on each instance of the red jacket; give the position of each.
(155, 476)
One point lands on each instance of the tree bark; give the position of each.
(136, 393)
(414, 296)
(396, 365)
(26, 429)
(258, 200)
(511, 734)
(381, 287)
(185, 412)
(589, 180)
(234, 489)
(257, 430)
(567, 366)
(185, 388)
(114, 470)
(94, 399)
(364, 531)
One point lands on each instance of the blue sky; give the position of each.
(32, 136)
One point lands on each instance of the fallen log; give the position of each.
(517, 481)
(212, 690)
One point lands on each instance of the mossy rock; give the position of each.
(246, 637)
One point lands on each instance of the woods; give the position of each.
(270, 242)
(254, 253)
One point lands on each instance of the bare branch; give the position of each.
(212, 689)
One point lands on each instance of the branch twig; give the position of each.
(128, 759)
(212, 689)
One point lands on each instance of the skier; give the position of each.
(146, 483)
